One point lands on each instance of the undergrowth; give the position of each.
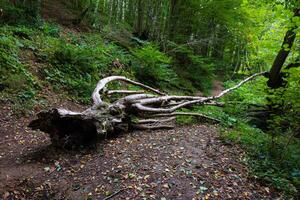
(273, 160)
(15, 76)
(72, 62)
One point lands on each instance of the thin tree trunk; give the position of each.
(173, 17)
(140, 18)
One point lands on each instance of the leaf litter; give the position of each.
(188, 162)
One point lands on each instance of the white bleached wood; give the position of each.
(154, 110)
(103, 82)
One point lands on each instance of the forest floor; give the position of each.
(188, 162)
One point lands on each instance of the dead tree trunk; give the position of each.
(148, 108)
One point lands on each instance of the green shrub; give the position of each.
(79, 63)
(50, 29)
(13, 74)
(251, 94)
(278, 167)
(200, 72)
(73, 69)
(195, 72)
(17, 82)
(286, 105)
(153, 67)
(75, 59)
(21, 12)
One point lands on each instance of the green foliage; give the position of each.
(153, 67)
(200, 72)
(19, 12)
(277, 166)
(16, 80)
(73, 69)
(251, 94)
(272, 156)
(50, 29)
(195, 72)
(78, 62)
(185, 120)
(287, 106)
(14, 75)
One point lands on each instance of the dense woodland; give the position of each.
(187, 48)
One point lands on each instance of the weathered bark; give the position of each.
(137, 110)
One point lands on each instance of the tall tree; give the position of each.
(275, 77)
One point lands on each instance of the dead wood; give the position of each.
(142, 109)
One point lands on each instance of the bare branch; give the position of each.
(239, 85)
(135, 97)
(214, 103)
(188, 114)
(111, 92)
(196, 100)
(103, 82)
(139, 126)
(145, 121)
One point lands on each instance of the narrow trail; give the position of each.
(217, 87)
(189, 162)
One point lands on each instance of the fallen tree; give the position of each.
(147, 108)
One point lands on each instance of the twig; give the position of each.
(114, 194)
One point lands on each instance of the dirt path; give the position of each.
(217, 87)
(184, 163)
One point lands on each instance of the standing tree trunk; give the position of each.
(173, 18)
(275, 78)
(129, 14)
(140, 18)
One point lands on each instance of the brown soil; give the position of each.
(217, 87)
(184, 163)
(56, 10)
(59, 11)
